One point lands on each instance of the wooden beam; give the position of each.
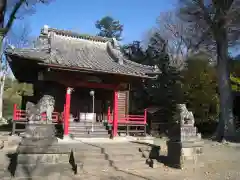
(72, 81)
(89, 85)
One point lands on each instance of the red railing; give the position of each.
(129, 119)
(20, 115)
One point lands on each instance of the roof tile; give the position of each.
(83, 51)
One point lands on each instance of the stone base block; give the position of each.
(40, 165)
(43, 142)
(40, 131)
(48, 149)
(1, 144)
(183, 154)
(42, 158)
(42, 170)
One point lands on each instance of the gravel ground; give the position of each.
(218, 162)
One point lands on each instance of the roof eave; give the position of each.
(54, 66)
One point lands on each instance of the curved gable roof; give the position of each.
(73, 50)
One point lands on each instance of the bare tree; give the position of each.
(179, 35)
(175, 32)
(19, 36)
(216, 24)
(10, 10)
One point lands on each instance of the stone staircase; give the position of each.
(103, 157)
(84, 130)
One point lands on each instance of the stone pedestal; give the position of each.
(184, 147)
(1, 144)
(39, 154)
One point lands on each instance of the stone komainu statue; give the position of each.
(186, 117)
(45, 105)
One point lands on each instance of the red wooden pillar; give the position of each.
(15, 112)
(145, 116)
(115, 115)
(67, 111)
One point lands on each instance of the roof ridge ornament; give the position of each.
(116, 44)
(115, 50)
(45, 29)
(156, 69)
(11, 46)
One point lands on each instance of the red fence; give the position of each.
(129, 119)
(20, 115)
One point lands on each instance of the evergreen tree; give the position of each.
(200, 89)
(165, 90)
(109, 28)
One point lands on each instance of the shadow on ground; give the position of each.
(154, 158)
(6, 128)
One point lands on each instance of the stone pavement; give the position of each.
(219, 162)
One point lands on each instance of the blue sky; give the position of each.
(137, 16)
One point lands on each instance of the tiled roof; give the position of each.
(73, 50)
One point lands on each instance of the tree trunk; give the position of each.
(2, 77)
(1, 94)
(226, 127)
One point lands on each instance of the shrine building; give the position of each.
(89, 78)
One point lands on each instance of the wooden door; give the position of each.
(123, 103)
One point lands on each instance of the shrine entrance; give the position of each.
(88, 104)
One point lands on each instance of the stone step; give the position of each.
(93, 156)
(104, 164)
(5, 174)
(86, 148)
(89, 150)
(89, 131)
(107, 156)
(137, 164)
(84, 124)
(87, 126)
(123, 145)
(91, 134)
(126, 157)
(77, 128)
(94, 169)
(123, 165)
(93, 162)
(121, 153)
(95, 128)
(96, 135)
(91, 147)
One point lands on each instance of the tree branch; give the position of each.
(13, 16)
(206, 15)
(2, 12)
